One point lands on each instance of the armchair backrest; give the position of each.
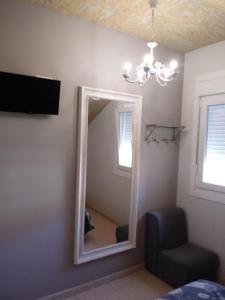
(165, 229)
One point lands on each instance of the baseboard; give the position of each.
(92, 284)
(221, 280)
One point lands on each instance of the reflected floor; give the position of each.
(104, 233)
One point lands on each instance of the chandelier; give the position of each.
(149, 67)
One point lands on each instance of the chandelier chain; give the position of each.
(153, 25)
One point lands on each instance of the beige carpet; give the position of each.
(137, 286)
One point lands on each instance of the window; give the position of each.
(211, 143)
(207, 166)
(124, 126)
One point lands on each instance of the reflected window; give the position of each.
(124, 139)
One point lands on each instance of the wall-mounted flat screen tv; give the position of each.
(28, 94)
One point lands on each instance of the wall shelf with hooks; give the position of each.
(151, 128)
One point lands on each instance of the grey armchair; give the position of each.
(169, 255)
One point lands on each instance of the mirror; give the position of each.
(107, 173)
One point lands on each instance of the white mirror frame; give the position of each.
(84, 93)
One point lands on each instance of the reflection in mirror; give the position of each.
(109, 127)
(109, 170)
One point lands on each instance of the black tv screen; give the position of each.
(28, 94)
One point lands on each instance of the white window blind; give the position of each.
(214, 160)
(125, 138)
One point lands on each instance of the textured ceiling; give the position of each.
(182, 25)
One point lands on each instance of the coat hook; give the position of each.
(156, 140)
(165, 140)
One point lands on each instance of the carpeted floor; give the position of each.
(137, 286)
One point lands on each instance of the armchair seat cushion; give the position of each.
(186, 263)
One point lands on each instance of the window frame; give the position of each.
(212, 84)
(205, 102)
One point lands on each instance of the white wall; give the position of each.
(206, 219)
(37, 154)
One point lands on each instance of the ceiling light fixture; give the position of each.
(149, 67)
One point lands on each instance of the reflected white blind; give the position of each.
(125, 138)
(214, 163)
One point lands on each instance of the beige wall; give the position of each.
(206, 219)
(37, 154)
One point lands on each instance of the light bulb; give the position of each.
(127, 67)
(173, 64)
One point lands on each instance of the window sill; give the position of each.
(207, 194)
(124, 172)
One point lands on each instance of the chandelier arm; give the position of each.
(134, 80)
(130, 80)
(141, 83)
(167, 79)
(160, 81)
(171, 78)
(160, 72)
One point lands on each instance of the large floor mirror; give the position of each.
(109, 125)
